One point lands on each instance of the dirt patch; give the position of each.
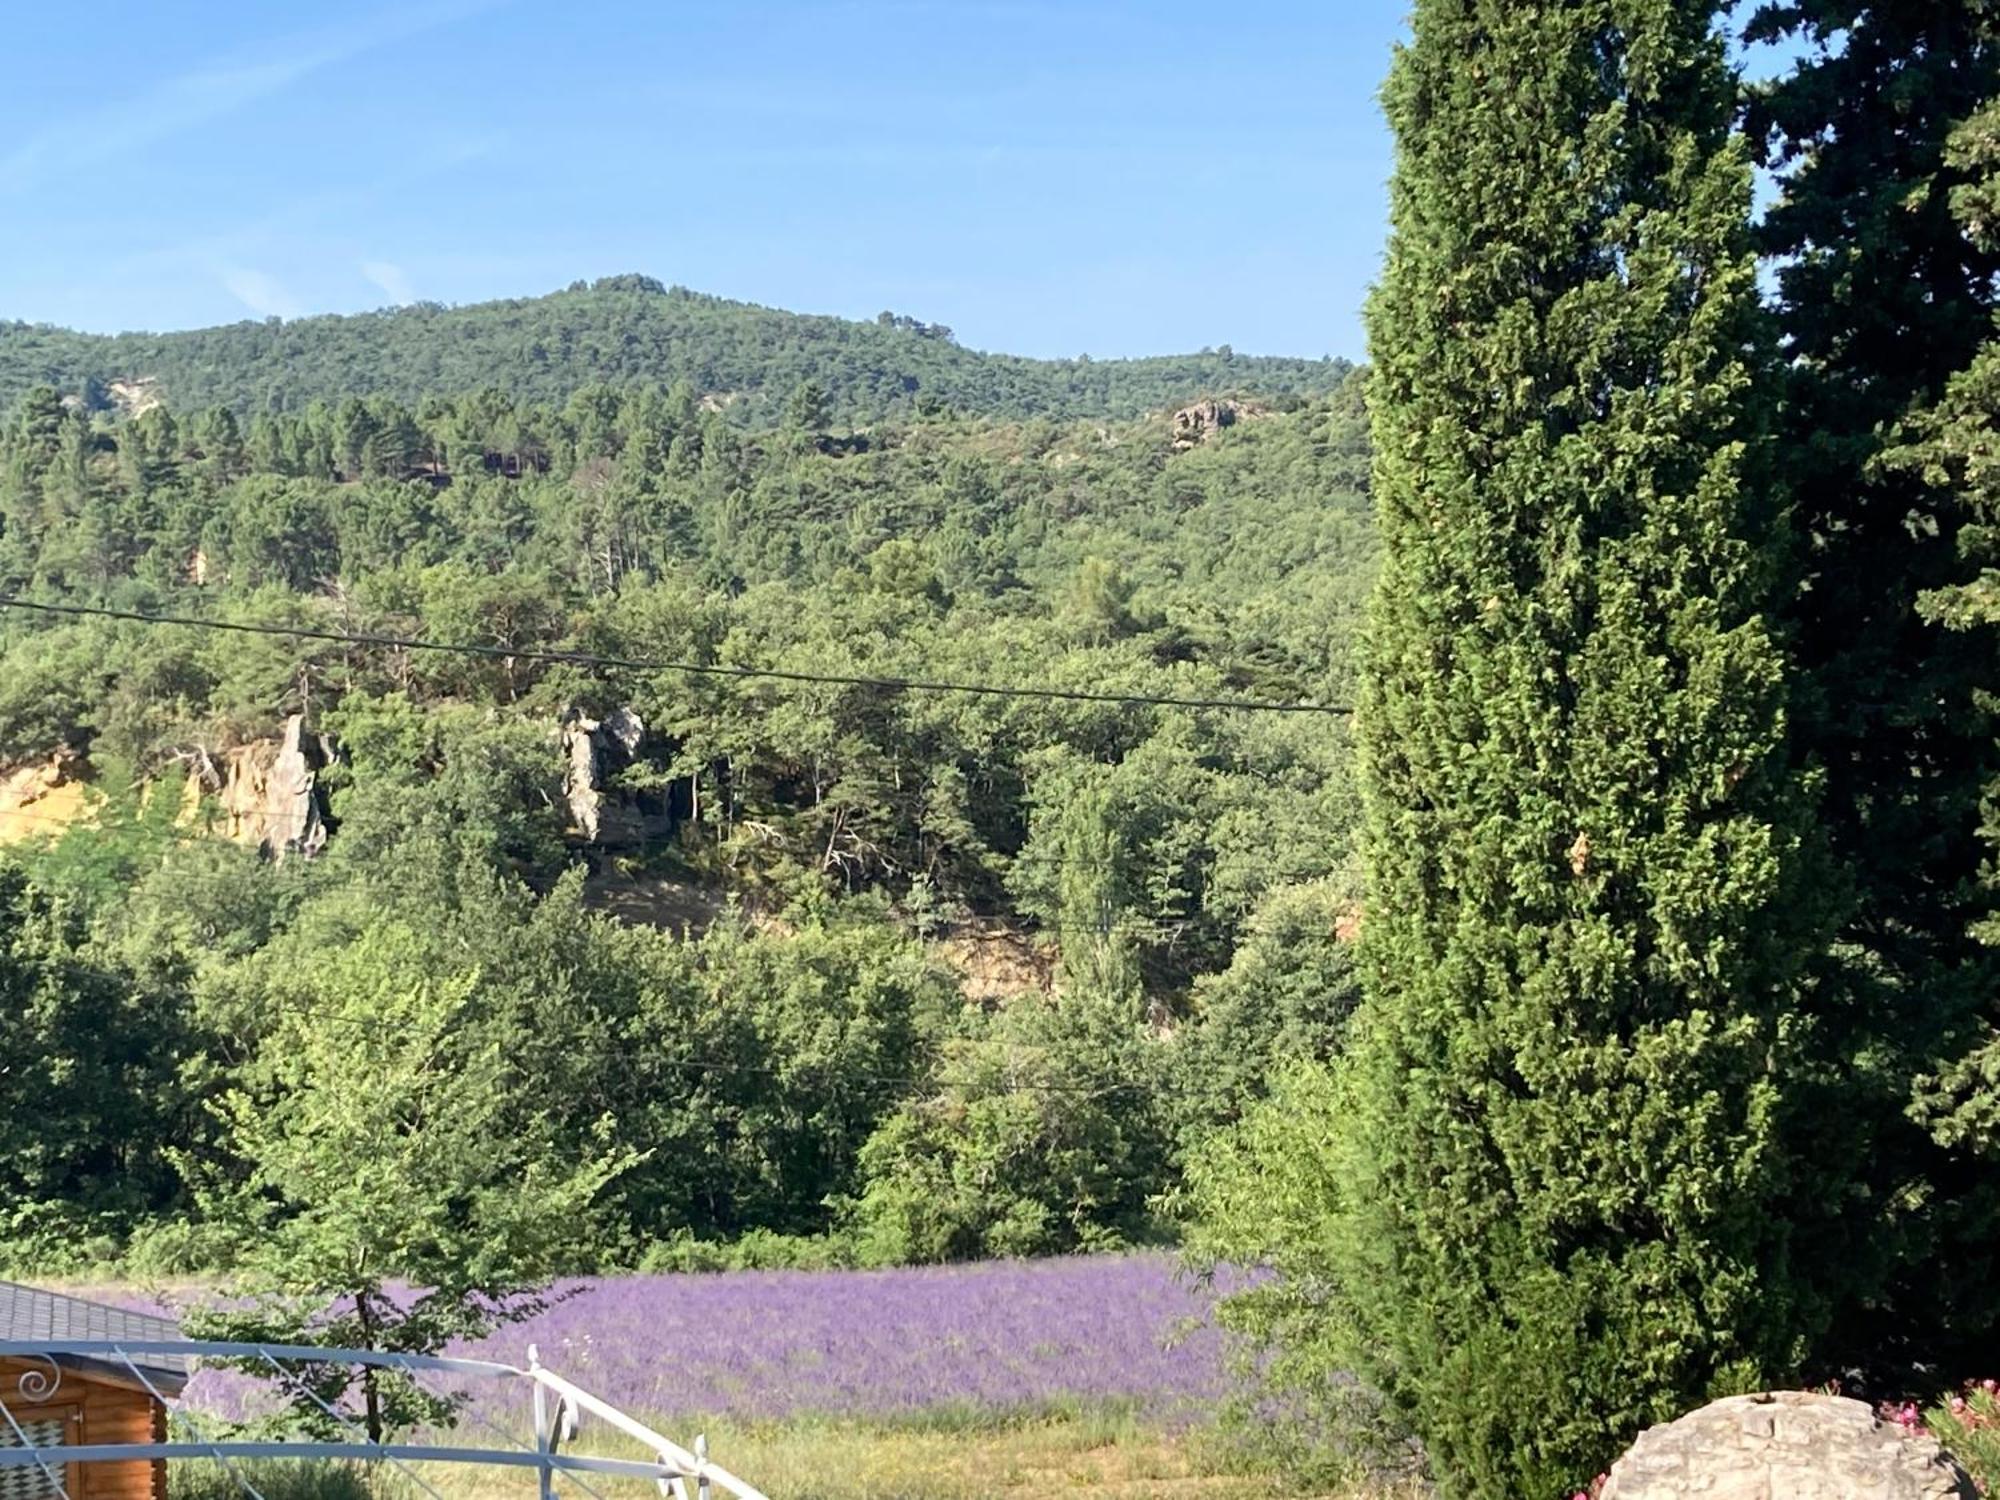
(135, 396)
(993, 965)
(642, 900)
(41, 800)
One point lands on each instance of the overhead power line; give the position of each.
(658, 664)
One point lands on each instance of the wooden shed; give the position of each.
(63, 1400)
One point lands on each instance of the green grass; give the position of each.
(1107, 1454)
(274, 1479)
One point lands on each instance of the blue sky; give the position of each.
(1048, 178)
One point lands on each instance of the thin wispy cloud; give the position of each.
(391, 278)
(260, 291)
(189, 99)
(275, 231)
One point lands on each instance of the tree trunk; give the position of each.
(371, 1397)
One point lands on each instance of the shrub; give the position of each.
(205, 1479)
(1042, 1133)
(1968, 1424)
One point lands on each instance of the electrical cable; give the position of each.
(710, 669)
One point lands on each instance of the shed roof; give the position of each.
(28, 1314)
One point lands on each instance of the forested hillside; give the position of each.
(1502, 871)
(852, 919)
(625, 330)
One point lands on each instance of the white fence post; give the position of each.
(545, 1430)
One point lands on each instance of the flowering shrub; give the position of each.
(1968, 1424)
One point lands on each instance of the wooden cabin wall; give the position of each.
(99, 1411)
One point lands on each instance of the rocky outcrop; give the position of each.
(1196, 424)
(594, 751)
(271, 794)
(135, 395)
(1203, 420)
(1791, 1445)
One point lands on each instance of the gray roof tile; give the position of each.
(28, 1314)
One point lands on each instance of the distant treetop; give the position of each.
(625, 330)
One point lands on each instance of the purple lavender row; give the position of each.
(995, 1336)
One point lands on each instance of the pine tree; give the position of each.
(1563, 1176)
(1953, 448)
(1885, 294)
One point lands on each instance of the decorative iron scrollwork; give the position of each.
(41, 1383)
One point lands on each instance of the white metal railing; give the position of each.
(557, 1406)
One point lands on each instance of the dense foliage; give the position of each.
(1674, 1072)
(1951, 443)
(627, 330)
(1560, 1139)
(1665, 1063)
(1886, 297)
(773, 1037)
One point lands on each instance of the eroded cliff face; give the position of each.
(271, 795)
(995, 965)
(265, 793)
(43, 797)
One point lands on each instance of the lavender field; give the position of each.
(861, 1385)
(992, 1337)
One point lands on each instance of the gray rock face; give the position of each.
(1790, 1445)
(594, 751)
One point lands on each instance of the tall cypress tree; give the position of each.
(1885, 295)
(1564, 1167)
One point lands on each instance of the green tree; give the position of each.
(220, 439)
(380, 1145)
(1887, 292)
(355, 426)
(88, 1057)
(1951, 447)
(806, 413)
(1100, 601)
(1042, 1133)
(1286, 996)
(1559, 1178)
